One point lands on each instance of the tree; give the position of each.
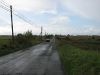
(24, 39)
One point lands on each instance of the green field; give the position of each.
(4, 40)
(87, 44)
(21, 41)
(19, 44)
(77, 59)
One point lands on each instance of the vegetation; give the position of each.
(21, 41)
(79, 60)
(83, 42)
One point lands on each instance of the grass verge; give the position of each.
(77, 61)
(5, 47)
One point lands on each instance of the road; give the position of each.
(41, 59)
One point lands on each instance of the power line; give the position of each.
(5, 7)
(23, 18)
(4, 3)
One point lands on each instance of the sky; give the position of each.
(75, 17)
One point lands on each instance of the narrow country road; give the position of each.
(41, 59)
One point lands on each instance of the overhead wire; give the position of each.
(6, 7)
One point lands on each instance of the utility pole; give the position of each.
(12, 24)
(41, 32)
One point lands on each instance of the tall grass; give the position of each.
(77, 61)
(21, 41)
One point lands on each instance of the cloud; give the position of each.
(49, 12)
(85, 8)
(91, 29)
(60, 20)
(59, 23)
(4, 17)
(34, 5)
(62, 25)
(4, 30)
(19, 27)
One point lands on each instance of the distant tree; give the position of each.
(28, 35)
(24, 39)
(20, 39)
(93, 37)
(68, 37)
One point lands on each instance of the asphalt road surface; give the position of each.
(41, 59)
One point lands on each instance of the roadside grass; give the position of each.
(6, 48)
(77, 61)
(3, 41)
(87, 44)
(84, 43)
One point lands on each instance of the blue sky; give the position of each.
(77, 17)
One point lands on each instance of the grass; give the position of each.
(5, 47)
(87, 44)
(4, 39)
(78, 61)
(3, 42)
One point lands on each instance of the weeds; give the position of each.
(22, 41)
(78, 61)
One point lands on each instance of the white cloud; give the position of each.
(59, 23)
(22, 27)
(34, 5)
(4, 30)
(85, 8)
(60, 20)
(91, 29)
(62, 25)
(49, 12)
(19, 27)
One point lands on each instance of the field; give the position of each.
(6, 46)
(87, 43)
(4, 40)
(79, 56)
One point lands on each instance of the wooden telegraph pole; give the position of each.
(41, 32)
(12, 24)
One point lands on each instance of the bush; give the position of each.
(24, 39)
(21, 41)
